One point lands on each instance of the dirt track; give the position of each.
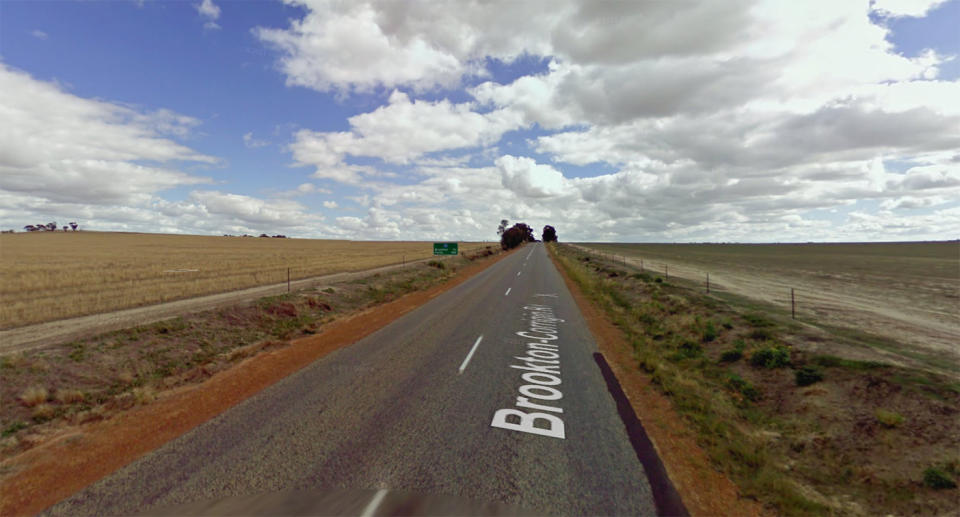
(46, 334)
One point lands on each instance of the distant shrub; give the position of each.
(837, 362)
(743, 386)
(771, 357)
(65, 396)
(689, 349)
(889, 418)
(730, 356)
(43, 412)
(34, 395)
(13, 428)
(437, 264)
(757, 320)
(938, 479)
(761, 334)
(709, 332)
(808, 375)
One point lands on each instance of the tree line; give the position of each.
(519, 233)
(49, 227)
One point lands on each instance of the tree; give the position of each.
(516, 235)
(52, 226)
(30, 228)
(549, 234)
(73, 225)
(503, 226)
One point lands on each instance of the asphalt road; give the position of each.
(422, 406)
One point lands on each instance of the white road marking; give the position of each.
(518, 273)
(508, 291)
(374, 503)
(472, 350)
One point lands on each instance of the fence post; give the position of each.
(641, 265)
(708, 283)
(793, 305)
(666, 272)
(288, 280)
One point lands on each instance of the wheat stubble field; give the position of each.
(908, 292)
(50, 276)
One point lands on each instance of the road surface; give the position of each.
(489, 393)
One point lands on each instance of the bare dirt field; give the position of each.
(55, 275)
(906, 292)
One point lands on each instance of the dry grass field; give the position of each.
(56, 275)
(906, 292)
(807, 418)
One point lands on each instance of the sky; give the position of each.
(632, 121)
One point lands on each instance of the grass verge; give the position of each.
(95, 378)
(805, 433)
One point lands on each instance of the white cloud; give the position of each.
(744, 120)
(39, 34)
(330, 204)
(914, 8)
(59, 147)
(209, 11)
(252, 211)
(64, 157)
(399, 132)
(527, 178)
(252, 143)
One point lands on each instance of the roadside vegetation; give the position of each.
(802, 430)
(46, 390)
(48, 276)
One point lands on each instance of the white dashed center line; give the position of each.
(472, 350)
(518, 273)
(508, 291)
(374, 503)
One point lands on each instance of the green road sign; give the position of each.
(445, 248)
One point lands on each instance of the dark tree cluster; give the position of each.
(515, 235)
(549, 234)
(49, 227)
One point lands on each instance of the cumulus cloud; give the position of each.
(914, 8)
(741, 120)
(59, 147)
(210, 12)
(64, 157)
(527, 178)
(399, 132)
(39, 34)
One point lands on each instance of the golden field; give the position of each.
(50, 276)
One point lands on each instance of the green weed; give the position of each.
(13, 428)
(889, 418)
(808, 375)
(771, 357)
(938, 479)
